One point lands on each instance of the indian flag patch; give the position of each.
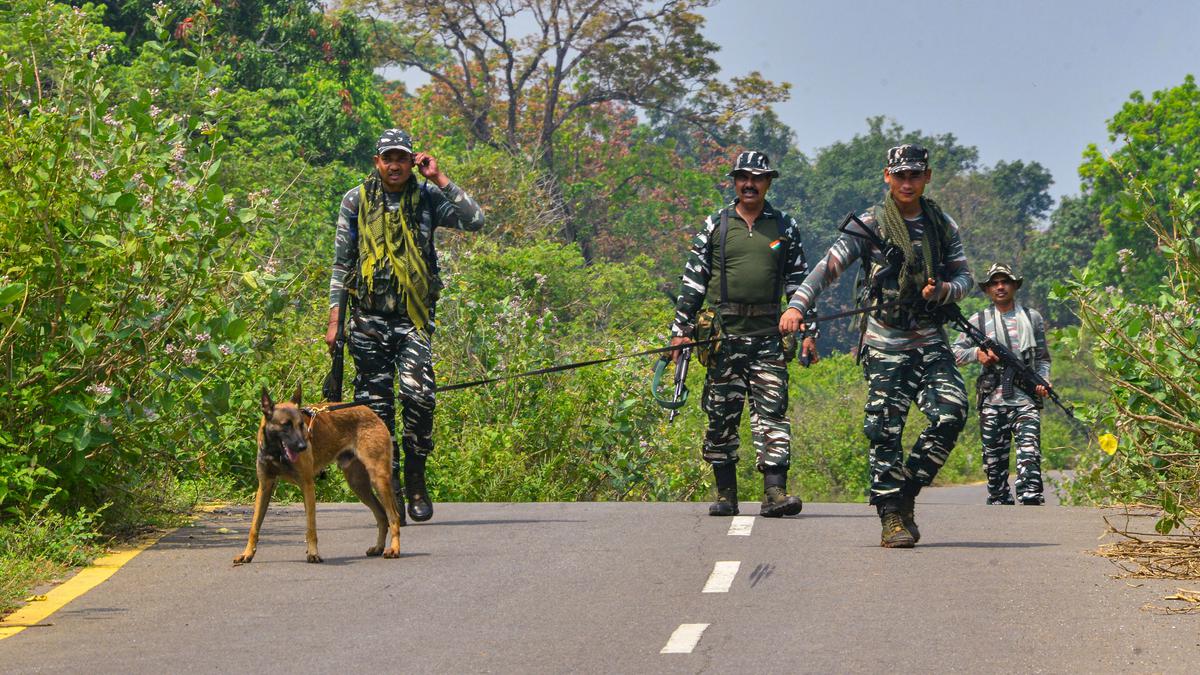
(775, 245)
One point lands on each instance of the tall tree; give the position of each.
(518, 71)
(1160, 144)
(1066, 244)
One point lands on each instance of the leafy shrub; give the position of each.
(134, 299)
(1146, 352)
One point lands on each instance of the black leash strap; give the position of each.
(774, 330)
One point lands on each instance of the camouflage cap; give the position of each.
(1003, 270)
(394, 139)
(907, 158)
(754, 163)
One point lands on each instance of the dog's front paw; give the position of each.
(314, 558)
(243, 559)
(374, 551)
(392, 553)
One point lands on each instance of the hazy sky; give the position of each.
(1018, 79)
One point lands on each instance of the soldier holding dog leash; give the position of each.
(385, 260)
(741, 263)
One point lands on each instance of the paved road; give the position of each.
(593, 587)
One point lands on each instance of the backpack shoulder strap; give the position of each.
(724, 238)
(785, 250)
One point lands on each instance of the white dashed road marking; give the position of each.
(741, 526)
(722, 576)
(684, 639)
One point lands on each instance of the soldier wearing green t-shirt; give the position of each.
(747, 256)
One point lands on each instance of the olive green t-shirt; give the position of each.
(752, 262)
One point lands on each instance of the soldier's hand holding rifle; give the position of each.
(987, 358)
(792, 321)
(678, 341)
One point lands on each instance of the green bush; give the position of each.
(41, 544)
(1146, 353)
(136, 306)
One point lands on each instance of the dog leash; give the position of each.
(313, 410)
(774, 330)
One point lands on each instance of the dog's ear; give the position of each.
(296, 398)
(268, 406)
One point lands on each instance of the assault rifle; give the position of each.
(1016, 372)
(681, 391)
(332, 388)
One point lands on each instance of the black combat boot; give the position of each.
(908, 507)
(727, 500)
(894, 534)
(397, 487)
(419, 506)
(776, 501)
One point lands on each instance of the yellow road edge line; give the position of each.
(85, 580)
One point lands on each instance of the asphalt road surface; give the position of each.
(624, 588)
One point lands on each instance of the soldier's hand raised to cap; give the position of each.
(791, 321)
(427, 165)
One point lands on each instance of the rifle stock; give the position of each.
(332, 387)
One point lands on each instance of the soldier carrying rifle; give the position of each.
(743, 261)
(384, 257)
(913, 262)
(1007, 413)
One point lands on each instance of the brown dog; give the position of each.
(294, 444)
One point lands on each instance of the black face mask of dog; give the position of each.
(283, 432)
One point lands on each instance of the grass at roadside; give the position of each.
(42, 547)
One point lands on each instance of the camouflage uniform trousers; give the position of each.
(754, 366)
(895, 378)
(383, 347)
(1001, 426)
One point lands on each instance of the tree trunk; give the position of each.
(561, 211)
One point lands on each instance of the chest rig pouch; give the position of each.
(384, 297)
(879, 279)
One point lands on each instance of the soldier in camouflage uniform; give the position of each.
(1016, 417)
(906, 355)
(384, 256)
(741, 263)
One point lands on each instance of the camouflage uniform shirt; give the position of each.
(1037, 358)
(849, 248)
(448, 207)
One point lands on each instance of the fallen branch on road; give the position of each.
(1142, 556)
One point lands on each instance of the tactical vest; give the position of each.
(384, 298)
(879, 280)
(990, 376)
(727, 308)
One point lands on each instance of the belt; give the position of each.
(743, 309)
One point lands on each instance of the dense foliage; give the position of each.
(1147, 352)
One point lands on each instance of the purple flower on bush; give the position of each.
(99, 389)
